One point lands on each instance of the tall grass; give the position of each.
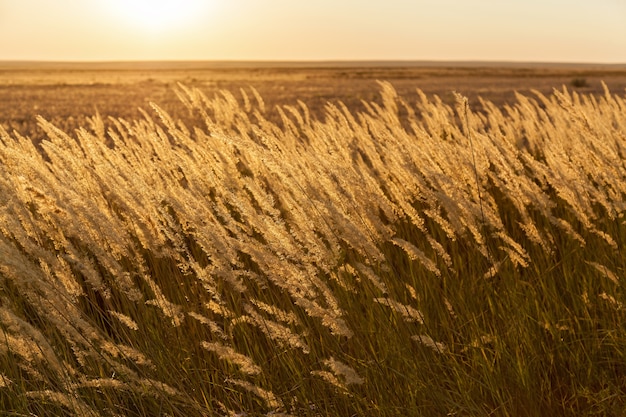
(413, 259)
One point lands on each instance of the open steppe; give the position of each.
(176, 243)
(58, 91)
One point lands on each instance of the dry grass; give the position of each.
(410, 259)
(67, 93)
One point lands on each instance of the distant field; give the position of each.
(273, 252)
(58, 91)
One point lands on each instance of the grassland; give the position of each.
(68, 93)
(214, 254)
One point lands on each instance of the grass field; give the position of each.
(405, 255)
(67, 93)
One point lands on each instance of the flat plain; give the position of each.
(298, 239)
(59, 91)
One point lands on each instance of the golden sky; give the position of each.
(500, 30)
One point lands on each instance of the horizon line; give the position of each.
(302, 63)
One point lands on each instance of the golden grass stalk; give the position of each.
(128, 249)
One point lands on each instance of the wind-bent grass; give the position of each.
(363, 264)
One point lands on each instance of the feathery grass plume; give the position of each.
(483, 340)
(213, 326)
(125, 320)
(341, 375)
(63, 274)
(276, 331)
(604, 271)
(102, 383)
(440, 251)
(348, 374)
(343, 276)
(412, 291)
(25, 340)
(331, 379)
(74, 404)
(409, 313)
(171, 310)
(514, 250)
(117, 350)
(429, 342)
(450, 308)
(566, 226)
(606, 237)
(279, 314)
(245, 363)
(335, 323)
(268, 397)
(494, 269)
(157, 388)
(5, 382)
(227, 411)
(219, 309)
(367, 272)
(618, 305)
(26, 349)
(416, 255)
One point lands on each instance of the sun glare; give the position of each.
(158, 15)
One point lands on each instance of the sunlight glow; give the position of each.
(321, 30)
(156, 16)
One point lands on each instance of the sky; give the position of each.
(585, 31)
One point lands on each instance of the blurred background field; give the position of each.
(66, 93)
